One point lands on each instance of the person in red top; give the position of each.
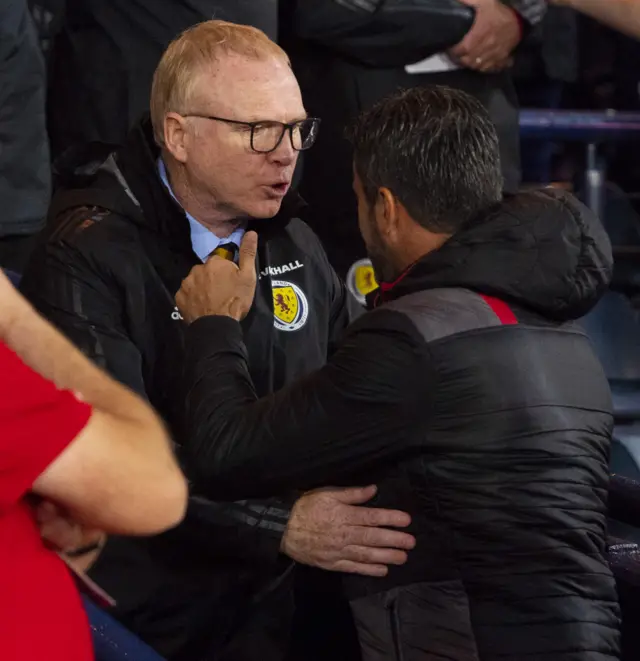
(72, 441)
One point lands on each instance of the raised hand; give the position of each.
(221, 287)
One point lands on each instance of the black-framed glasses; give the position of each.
(266, 136)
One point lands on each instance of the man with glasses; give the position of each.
(216, 158)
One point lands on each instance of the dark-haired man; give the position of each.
(468, 394)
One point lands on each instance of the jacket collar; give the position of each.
(542, 250)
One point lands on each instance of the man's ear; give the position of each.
(387, 213)
(175, 133)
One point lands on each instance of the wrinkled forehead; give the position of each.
(247, 89)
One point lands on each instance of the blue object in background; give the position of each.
(14, 277)
(112, 642)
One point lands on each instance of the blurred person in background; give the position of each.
(25, 177)
(338, 82)
(76, 446)
(622, 15)
(544, 68)
(216, 158)
(104, 56)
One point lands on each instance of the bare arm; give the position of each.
(622, 15)
(119, 473)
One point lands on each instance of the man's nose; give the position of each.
(284, 154)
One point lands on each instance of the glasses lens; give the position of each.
(304, 134)
(266, 136)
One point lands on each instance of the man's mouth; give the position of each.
(279, 189)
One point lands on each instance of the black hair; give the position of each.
(436, 149)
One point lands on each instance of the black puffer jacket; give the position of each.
(474, 400)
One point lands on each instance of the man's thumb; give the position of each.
(355, 495)
(248, 250)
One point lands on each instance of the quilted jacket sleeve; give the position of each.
(352, 415)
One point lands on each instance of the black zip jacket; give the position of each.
(475, 402)
(113, 256)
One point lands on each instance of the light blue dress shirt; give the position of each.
(203, 240)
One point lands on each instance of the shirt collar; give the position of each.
(203, 240)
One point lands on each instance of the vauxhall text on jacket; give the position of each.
(115, 252)
(471, 396)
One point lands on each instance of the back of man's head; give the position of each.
(436, 150)
(194, 51)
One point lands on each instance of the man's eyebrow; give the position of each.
(297, 118)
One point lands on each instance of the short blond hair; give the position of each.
(190, 52)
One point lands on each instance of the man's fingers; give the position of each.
(462, 49)
(481, 51)
(354, 495)
(247, 255)
(472, 41)
(372, 516)
(199, 270)
(478, 64)
(378, 537)
(374, 556)
(383, 538)
(349, 567)
(47, 511)
(488, 60)
(62, 534)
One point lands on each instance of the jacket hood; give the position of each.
(125, 180)
(541, 250)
